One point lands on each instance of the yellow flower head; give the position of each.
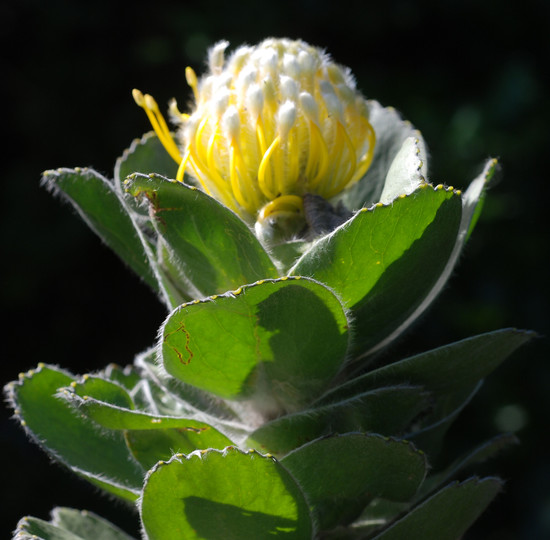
(272, 123)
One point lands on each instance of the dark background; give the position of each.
(471, 75)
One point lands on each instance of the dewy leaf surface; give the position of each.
(385, 261)
(284, 338)
(447, 514)
(243, 495)
(70, 438)
(210, 246)
(340, 475)
(100, 206)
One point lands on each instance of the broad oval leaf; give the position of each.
(72, 439)
(387, 411)
(69, 524)
(147, 434)
(340, 475)
(445, 370)
(385, 261)
(233, 493)
(145, 155)
(101, 390)
(103, 209)
(447, 514)
(211, 248)
(281, 340)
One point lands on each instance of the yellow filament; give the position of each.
(221, 185)
(198, 137)
(346, 177)
(366, 160)
(235, 180)
(191, 78)
(149, 105)
(293, 172)
(197, 162)
(261, 136)
(262, 169)
(252, 203)
(324, 155)
(285, 203)
(181, 169)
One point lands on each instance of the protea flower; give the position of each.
(274, 123)
(294, 238)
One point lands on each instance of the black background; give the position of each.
(471, 75)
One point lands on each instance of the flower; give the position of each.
(275, 122)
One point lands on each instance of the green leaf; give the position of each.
(150, 437)
(70, 438)
(386, 410)
(86, 525)
(145, 155)
(152, 445)
(465, 462)
(391, 132)
(233, 493)
(175, 397)
(471, 207)
(287, 253)
(99, 205)
(407, 171)
(118, 418)
(126, 376)
(474, 197)
(432, 428)
(444, 370)
(340, 475)
(283, 338)
(101, 390)
(212, 249)
(447, 514)
(69, 524)
(31, 528)
(385, 261)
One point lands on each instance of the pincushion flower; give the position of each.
(271, 124)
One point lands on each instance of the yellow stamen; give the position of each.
(352, 163)
(236, 180)
(192, 81)
(366, 160)
(221, 184)
(181, 169)
(149, 105)
(267, 190)
(285, 203)
(321, 150)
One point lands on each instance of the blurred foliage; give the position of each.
(471, 75)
